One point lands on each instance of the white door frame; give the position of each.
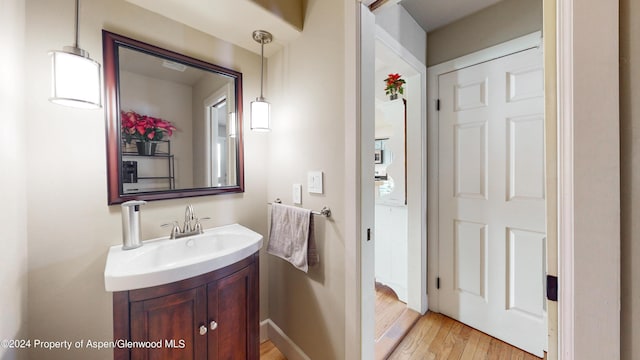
(510, 47)
(360, 210)
(588, 179)
(564, 68)
(359, 170)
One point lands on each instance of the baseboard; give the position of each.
(270, 331)
(264, 330)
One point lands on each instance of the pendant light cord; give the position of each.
(261, 67)
(77, 12)
(262, 37)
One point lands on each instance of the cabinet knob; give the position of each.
(203, 329)
(214, 325)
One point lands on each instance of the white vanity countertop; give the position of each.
(162, 261)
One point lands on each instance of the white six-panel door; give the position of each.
(492, 199)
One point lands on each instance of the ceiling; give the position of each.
(432, 14)
(212, 17)
(231, 20)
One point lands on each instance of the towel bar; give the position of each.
(326, 212)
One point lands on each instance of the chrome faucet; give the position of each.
(190, 227)
(189, 217)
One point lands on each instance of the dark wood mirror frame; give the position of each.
(110, 44)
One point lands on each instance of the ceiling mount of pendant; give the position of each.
(262, 37)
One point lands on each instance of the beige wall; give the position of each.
(630, 176)
(496, 24)
(397, 22)
(596, 177)
(307, 96)
(13, 195)
(70, 226)
(551, 164)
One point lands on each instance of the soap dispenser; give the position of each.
(131, 224)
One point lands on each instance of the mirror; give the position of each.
(391, 152)
(173, 123)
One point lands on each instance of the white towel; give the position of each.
(291, 236)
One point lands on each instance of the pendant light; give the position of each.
(260, 108)
(75, 77)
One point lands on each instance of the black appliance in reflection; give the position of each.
(129, 172)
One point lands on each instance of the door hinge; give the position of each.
(368, 234)
(438, 282)
(438, 105)
(552, 288)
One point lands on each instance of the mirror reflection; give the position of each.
(391, 152)
(177, 124)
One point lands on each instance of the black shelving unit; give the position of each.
(133, 177)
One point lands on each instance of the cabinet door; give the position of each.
(233, 316)
(173, 322)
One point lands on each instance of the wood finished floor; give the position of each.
(268, 351)
(388, 309)
(436, 336)
(432, 336)
(393, 320)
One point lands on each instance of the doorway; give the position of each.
(399, 207)
(433, 200)
(217, 142)
(592, 336)
(393, 313)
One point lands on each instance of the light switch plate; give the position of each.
(297, 194)
(314, 179)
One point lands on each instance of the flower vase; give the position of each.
(147, 148)
(393, 96)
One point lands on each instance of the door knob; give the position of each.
(214, 325)
(203, 329)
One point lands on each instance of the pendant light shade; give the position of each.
(260, 108)
(75, 77)
(232, 132)
(260, 115)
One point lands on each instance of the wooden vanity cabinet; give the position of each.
(211, 316)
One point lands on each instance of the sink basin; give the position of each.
(162, 261)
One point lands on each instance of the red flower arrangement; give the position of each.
(144, 128)
(394, 84)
